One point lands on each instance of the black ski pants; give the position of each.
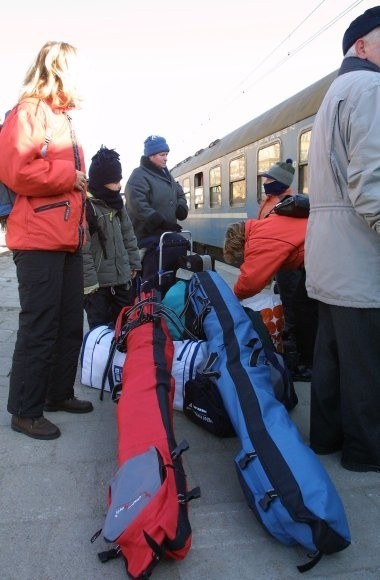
(50, 329)
(104, 305)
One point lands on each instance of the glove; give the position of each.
(181, 212)
(91, 289)
(171, 226)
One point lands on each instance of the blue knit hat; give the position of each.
(105, 168)
(155, 144)
(361, 26)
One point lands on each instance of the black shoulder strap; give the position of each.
(286, 198)
(93, 225)
(91, 216)
(107, 368)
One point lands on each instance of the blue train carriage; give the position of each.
(221, 182)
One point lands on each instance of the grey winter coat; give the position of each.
(110, 252)
(342, 249)
(152, 195)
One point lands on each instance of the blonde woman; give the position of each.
(43, 163)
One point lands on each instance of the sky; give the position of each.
(191, 71)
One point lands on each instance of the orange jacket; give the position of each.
(271, 244)
(48, 213)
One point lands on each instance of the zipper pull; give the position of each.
(67, 211)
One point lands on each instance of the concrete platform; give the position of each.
(54, 495)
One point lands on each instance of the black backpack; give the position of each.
(204, 406)
(297, 205)
(7, 199)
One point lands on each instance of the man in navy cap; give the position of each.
(343, 254)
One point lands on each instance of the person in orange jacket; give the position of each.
(261, 249)
(299, 310)
(43, 163)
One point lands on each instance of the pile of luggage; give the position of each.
(200, 351)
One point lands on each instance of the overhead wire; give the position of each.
(287, 57)
(278, 46)
(303, 44)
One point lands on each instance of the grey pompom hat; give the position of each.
(282, 172)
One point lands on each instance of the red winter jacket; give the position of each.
(271, 244)
(48, 213)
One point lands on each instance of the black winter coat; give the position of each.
(153, 197)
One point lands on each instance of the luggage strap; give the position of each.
(158, 554)
(109, 554)
(194, 493)
(177, 452)
(309, 565)
(208, 370)
(158, 310)
(267, 499)
(108, 369)
(243, 462)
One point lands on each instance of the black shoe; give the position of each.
(302, 374)
(71, 405)
(359, 467)
(322, 450)
(37, 428)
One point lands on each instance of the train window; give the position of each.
(303, 167)
(199, 199)
(238, 189)
(186, 190)
(266, 156)
(216, 186)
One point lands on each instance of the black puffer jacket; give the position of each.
(153, 197)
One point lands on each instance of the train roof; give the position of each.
(294, 109)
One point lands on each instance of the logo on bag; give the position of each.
(199, 412)
(132, 503)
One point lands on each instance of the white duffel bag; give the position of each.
(94, 356)
(189, 356)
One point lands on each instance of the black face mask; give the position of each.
(275, 188)
(111, 197)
